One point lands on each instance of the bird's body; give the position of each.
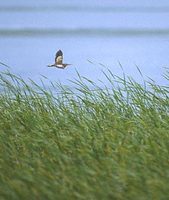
(62, 66)
(59, 61)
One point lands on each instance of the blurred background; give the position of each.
(102, 32)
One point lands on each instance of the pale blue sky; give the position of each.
(32, 31)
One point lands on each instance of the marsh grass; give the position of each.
(83, 143)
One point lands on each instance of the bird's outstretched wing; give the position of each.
(59, 57)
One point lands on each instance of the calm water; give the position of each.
(103, 32)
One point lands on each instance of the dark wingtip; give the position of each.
(50, 65)
(59, 53)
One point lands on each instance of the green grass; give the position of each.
(63, 143)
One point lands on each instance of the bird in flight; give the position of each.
(59, 61)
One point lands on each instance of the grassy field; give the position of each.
(83, 143)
